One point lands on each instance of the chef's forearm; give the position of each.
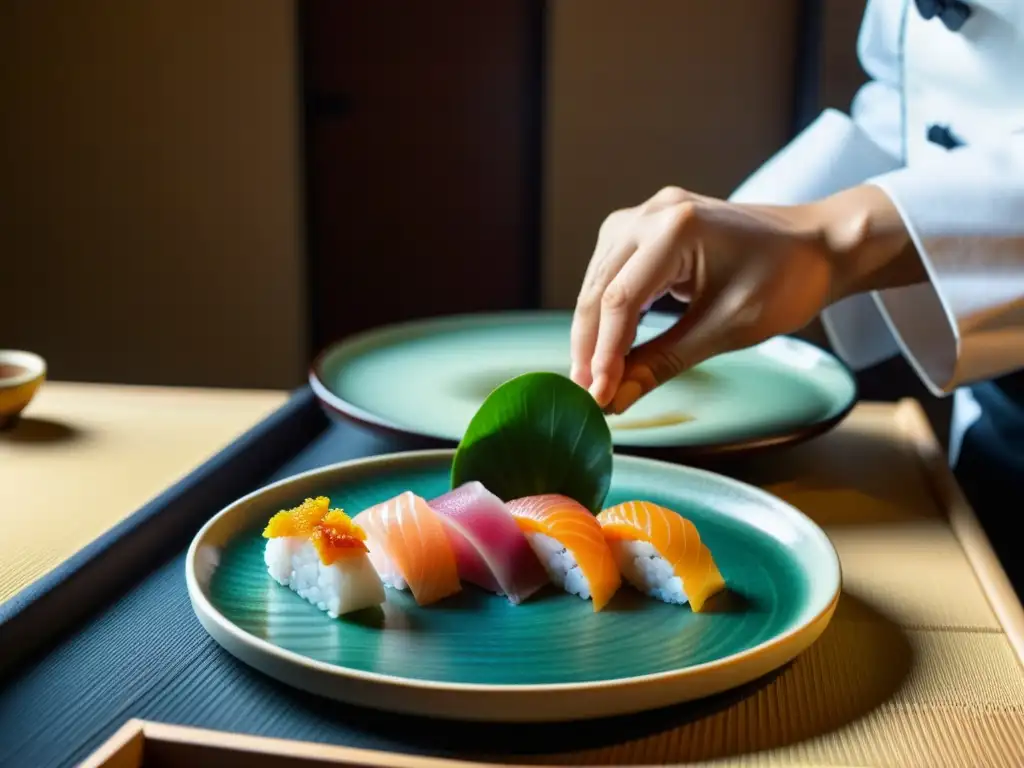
(866, 242)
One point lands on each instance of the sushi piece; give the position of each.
(320, 554)
(660, 553)
(409, 548)
(570, 545)
(490, 550)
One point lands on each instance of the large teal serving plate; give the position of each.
(476, 656)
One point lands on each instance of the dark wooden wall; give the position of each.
(422, 131)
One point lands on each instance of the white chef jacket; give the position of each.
(939, 127)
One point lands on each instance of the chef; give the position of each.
(901, 225)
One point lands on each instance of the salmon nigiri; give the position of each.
(660, 553)
(409, 548)
(570, 545)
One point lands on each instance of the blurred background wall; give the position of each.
(647, 93)
(150, 207)
(151, 167)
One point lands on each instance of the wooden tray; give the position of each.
(920, 667)
(142, 744)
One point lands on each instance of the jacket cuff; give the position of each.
(965, 216)
(858, 332)
(832, 154)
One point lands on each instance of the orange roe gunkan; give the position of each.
(320, 554)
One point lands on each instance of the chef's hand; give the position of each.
(750, 272)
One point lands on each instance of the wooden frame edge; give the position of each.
(133, 735)
(122, 750)
(912, 422)
(126, 747)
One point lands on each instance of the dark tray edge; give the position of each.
(36, 617)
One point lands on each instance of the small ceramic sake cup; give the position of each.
(21, 375)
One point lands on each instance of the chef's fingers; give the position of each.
(584, 330)
(703, 331)
(648, 274)
(587, 316)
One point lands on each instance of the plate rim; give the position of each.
(341, 407)
(206, 611)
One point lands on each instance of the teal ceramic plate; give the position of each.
(475, 656)
(428, 378)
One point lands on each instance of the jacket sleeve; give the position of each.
(964, 211)
(965, 215)
(856, 327)
(830, 155)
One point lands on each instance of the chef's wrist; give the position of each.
(865, 241)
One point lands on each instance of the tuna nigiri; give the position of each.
(660, 553)
(409, 547)
(320, 554)
(570, 545)
(491, 551)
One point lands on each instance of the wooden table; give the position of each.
(87, 455)
(920, 666)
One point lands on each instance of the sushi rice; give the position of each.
(648, 572)
(349, 584)
(561, 566)
(387, 570)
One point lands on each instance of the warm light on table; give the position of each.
(85, 456)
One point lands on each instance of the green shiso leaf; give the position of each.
(538, 433)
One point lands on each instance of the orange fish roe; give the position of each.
(331, 531)
(337, 536)
(299, 521)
